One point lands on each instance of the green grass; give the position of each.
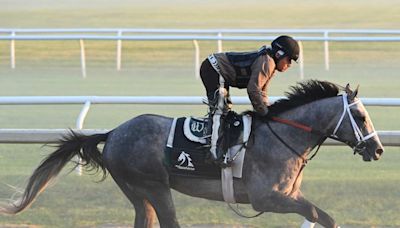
(355, 193)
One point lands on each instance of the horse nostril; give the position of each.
(379, 151)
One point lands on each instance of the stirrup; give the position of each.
(223, 163)
(222, 160)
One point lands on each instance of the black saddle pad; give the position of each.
(187, 158)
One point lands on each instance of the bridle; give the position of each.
(358, 146)
(361, 139)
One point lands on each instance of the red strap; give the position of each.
(292, 123)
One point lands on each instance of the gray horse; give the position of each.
(277, 151)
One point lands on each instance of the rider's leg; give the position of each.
(220, 110)
(210, 79)
(216, 94)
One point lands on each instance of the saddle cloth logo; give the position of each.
(197, 127)
(186, 151)
(194, 129)
(183, 159)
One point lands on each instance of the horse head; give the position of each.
(355, 127)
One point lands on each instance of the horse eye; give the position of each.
(361, 118)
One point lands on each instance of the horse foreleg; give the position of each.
(307, 224)
(323, 218)
(280, 203)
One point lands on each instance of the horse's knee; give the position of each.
(258, 207)
(262, 205)
(311, 213)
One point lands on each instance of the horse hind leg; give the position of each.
(147, 197)
(160, 197)
(154, 196)
(150, 214)
(145, 215)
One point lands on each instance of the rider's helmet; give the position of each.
(286, 46)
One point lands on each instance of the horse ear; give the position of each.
(347, 89)
(356, 90)
(354, 93)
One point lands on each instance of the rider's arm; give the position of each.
(257, 87)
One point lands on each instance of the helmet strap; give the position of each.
(278, 55)
(274, 53)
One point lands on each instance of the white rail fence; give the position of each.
(389, 138)
(219, 35)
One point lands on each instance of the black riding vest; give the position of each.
(242, 61)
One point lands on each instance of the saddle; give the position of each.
(187, 148)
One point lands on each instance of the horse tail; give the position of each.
(73, 144)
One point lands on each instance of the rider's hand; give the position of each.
(263, 112)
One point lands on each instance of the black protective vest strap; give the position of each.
(242, 61)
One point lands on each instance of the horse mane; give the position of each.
(301, 94)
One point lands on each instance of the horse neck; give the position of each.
(321, 115)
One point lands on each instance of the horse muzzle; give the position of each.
(361, 148)
(378, 153)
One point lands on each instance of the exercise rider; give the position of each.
(250, 70)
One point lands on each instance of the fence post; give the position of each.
(12, 52)
(220, 42)
(119, 50)
(83, 58)
(79, 125)
(326, 50)
(196, 59)
(301, 60)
